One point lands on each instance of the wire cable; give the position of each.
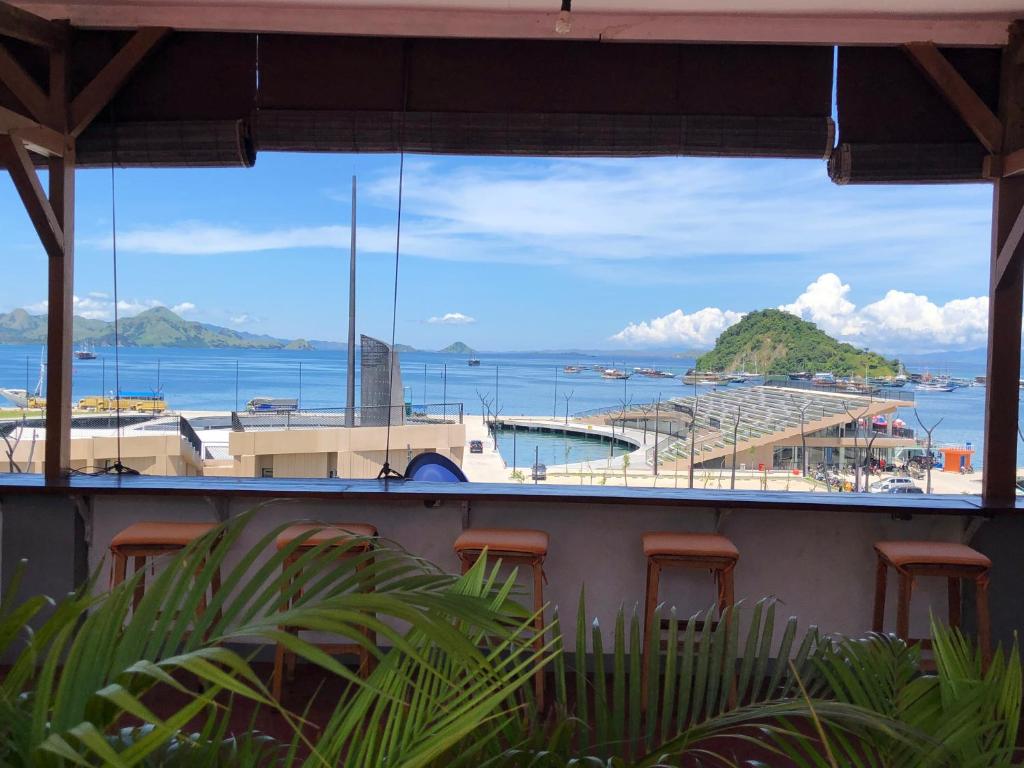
(119, 467)
(386, 471)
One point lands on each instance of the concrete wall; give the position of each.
(348, 452)
(819, 564)
(158, 454)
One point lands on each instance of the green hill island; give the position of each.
(776, 342)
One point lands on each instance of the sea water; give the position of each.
(512, 383)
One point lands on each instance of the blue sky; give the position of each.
(517, 253)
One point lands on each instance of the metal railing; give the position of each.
(362, 416)
(189, 435)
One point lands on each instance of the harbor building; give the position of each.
(766, 427)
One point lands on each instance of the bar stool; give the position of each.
(142, 541)
(933, 558)
(335, 534)
(685, 550)
(514, 546)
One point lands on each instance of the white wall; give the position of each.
(819, 564)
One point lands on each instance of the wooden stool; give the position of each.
(514, 546)
(933, 558)
(336, 534)
(142, 541)
(685, 550)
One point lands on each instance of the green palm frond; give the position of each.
(92, 661)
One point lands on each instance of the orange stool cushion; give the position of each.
(336, 532)
(517, 541)
(689, 545)
(901, 553)
(160, 534)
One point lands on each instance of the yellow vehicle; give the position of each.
(143, 402)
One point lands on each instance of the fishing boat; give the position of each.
(571, 369)
(823, 379)
(614, 373)
(703, 378)
(85, 352)
(653, 373)
(472, 361)
(936, 385)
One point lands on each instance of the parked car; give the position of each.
(905, 489)
(476, 446)
(886, 486)
(539, 472)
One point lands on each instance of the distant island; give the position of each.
(160, 327)
(457, 348)
(773, 341)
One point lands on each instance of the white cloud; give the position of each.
(598, 215)
(698, 329)
(98, 306)
(899, 321)
(452, 318)
(824, 303)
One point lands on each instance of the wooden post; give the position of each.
(60, 312)
(1002, 395)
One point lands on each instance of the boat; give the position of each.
(473, 361)
(22, 398)
(614, 373)
(654, 373)
(800, 376)
(572, 369)
(85, 352)
(703, 378)
(936, 385)
(272, 405)
(823, 379)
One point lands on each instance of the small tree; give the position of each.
(625, 469)
(735, 436)
(928, 431)
(802, 410)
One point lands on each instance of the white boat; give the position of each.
(272, 404)
(23, 398)
(614, 373)
(85, 352)
(936, 385)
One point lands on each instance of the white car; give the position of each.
(885, 486)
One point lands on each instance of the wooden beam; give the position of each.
(60, 287)
(98, 93)
(321, 18)
(1006, 294)
(15, 157)
(1011, 251)
(36, 136)
(943, 75)
(1003, 166)
(24, 87)
(29, 28)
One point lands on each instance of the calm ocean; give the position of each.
(523, 383)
